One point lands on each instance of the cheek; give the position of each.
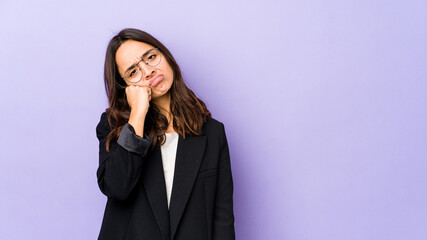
(167, 69)
(142, 83)
(165, 85)
(161, 88)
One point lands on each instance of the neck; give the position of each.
(163, 103)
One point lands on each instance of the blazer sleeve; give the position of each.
(223, 228)
(119, 169)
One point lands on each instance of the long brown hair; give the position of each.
(188, 111)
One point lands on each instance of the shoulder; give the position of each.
(213, 126)
(103, 127)
(215, 132)
(212, 123)
(103, 120)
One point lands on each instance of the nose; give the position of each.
(147, 71)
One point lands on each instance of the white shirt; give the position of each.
(168, 150)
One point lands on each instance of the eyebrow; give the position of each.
(142, 57)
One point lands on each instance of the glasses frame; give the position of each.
(137, 64)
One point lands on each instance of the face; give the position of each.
(130, 52)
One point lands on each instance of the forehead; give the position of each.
(129, 53)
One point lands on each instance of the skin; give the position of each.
(141, 93)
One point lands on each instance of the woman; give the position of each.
(164, 162)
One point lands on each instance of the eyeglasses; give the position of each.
(152, 58)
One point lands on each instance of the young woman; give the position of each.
(164, 162)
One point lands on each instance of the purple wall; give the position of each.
(324, 104)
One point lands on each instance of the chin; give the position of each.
(158, 94)
(162, 89)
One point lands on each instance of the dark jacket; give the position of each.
(132, 178)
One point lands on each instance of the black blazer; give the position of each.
(132, 178)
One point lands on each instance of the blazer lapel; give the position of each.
(187, 163)
(155, 187)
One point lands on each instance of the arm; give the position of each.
(120, 168)
(223, 228)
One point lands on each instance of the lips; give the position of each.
(156, 79)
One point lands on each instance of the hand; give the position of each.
(138, 97)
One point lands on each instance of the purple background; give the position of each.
(324, 104)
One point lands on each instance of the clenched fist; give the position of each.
(138, 98)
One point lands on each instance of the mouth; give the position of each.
(155, 80)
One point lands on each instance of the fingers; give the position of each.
(138, 86)
(130, 87)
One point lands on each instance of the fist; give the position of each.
(138, 97)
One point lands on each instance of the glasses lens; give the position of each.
(133, 75)
(152, 58)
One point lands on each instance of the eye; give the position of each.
(152, 57)
(131, 73)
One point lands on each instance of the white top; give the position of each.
(168, 150)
